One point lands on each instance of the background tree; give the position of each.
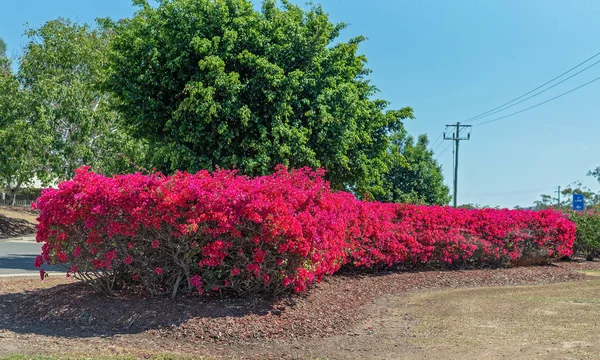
(216, 83)
(2, 48)
(62, 70)
(592, 199)
(414, 175)
(595, 173)
(19, 140)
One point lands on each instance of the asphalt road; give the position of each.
(17, 258)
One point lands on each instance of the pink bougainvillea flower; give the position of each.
(38, 261)
(259, 256)
(195, 281)
(42, 274)
(286, 228)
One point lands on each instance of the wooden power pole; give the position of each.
(459, 132)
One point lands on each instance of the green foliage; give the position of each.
(587, 241)
(61, 70)
(2, 48)
(217, 84)
(20, 157)
(595, 173)
(592, 199)
(414, 176)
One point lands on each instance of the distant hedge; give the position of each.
(587, 241)
(221, 232)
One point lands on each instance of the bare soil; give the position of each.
(17, 221)
(525, 312)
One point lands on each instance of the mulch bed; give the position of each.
(331, 307)
(13, 227)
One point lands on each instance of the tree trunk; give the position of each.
(14, 198)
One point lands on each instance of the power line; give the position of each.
(436, 140)
(509, 193)
(443, 151)
(539, 104)
(529, 92)
(536, 94)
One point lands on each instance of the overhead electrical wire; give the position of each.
(536, 94)
(436, 140)
(443, 151)
(476, 117)
(538, 104)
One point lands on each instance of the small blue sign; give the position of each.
(578, 202)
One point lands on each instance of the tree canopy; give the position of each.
(414, 175)
(62, 70)
(2, 48)
(219, 84)
(54, 115)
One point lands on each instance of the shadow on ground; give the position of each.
(11, 227)
(76, 311)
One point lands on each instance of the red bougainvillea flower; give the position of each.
(215, 288)
(288, 228)
(259, 256)
(42, 274)
(38, 261)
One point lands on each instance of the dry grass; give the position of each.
(557, 321)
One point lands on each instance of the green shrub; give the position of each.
(587, 241)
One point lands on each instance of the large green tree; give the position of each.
(216, 83)
(61, 70)
(20, 142)
(414, 175)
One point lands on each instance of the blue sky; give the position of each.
(451, 60)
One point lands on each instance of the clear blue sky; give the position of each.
(451, 60)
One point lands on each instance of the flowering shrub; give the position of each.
(214, 232)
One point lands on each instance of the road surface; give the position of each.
(17, 256)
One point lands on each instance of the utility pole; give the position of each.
(457, 136)
(558, 192)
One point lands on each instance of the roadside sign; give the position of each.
(578, 202)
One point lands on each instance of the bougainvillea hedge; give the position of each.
(220, 232)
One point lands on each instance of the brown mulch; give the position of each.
(331, 307)
(17, 221)
(21, 209)
(11, 227)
